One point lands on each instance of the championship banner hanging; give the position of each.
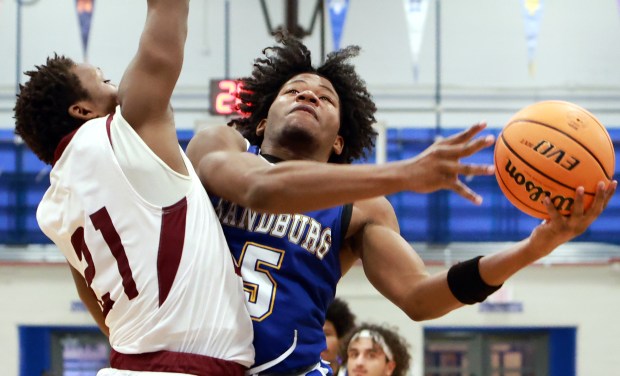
(337, 15)
(532, 12)
(85, 14)
(415, 11)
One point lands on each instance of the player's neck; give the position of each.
(292, 154)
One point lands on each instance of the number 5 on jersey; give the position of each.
(259, 285)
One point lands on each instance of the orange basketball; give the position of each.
(549, 149)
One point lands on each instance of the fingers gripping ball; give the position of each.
(549, 149)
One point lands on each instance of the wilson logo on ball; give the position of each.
(535, 192)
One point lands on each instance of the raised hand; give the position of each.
(439, 166)
(559, 229)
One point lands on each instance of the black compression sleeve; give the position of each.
(466, 284)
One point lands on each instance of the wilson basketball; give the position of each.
(549, 149)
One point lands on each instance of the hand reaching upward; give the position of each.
(439, 166)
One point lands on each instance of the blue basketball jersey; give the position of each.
(290, 266)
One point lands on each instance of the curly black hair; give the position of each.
(41, 116)
(339, 314)
(282, 62)
(397, 344)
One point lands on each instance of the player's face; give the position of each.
(306, 112)
(330, 354)
(103, 94)
(367, 359)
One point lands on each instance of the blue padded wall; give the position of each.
(440, 217)
(444, 217)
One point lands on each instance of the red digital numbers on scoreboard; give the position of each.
(222, 94)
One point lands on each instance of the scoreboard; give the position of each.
(222, 96)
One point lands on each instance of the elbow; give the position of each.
(263, 196)
(418, 315)
(414, 309)
(419, 311)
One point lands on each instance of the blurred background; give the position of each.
(434, 67)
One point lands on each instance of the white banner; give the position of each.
(532, 13)
(415, 11)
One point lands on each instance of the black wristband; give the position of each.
(466, 284)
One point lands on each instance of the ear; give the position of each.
(82, 110)
(389, 368)
(260, 128)
(338, 145)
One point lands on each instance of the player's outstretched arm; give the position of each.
(398, 273)
(393, 267)
(149, 80)
(218, 155)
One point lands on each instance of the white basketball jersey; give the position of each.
(164, 277)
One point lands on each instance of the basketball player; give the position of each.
(376, 350)
(339, 321)
(129, 213)
(297, 118)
